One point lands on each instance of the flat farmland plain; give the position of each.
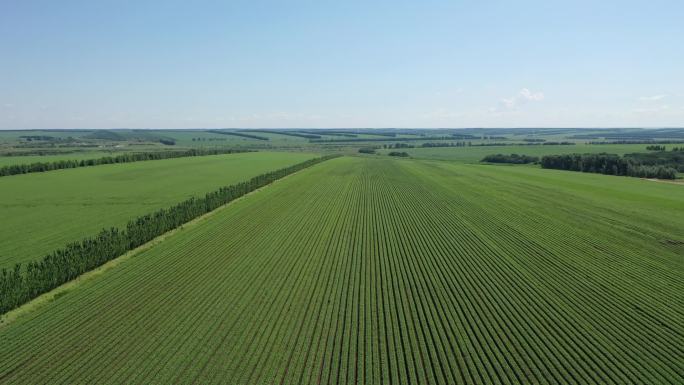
(384, 271)
(474, 154)
(44, 211)
(27, 159)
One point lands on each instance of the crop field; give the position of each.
(13, 135)
(475, 153)
(10, 160)
(209, 139)
(381, 271)
(44, 211)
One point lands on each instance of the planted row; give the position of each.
(371, 271)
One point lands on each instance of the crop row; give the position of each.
(377, 272)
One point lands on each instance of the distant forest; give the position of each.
(636, 165)
(512, 158)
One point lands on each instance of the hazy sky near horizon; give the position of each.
(181, 64)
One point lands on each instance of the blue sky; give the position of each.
(177, 64)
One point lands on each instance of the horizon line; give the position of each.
(352, 128)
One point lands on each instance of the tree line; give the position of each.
(348, 133)
(29, 138)
(25, 282)
(199, 139)
(649, 141)
(663, 148)
(609, 164)
(329, 133)
(445, 144)
(240, 134)
(512, 158)
(674, 158)
(354, 140)
(167, 141)
(398, 145)
(496, 144)
(465, 136)
(290, 133)
(15, 169)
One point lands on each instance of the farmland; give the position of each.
(44, 211)
(377, 270)
(475, 153)
(10, 160)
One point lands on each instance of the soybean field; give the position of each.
(44, 211)
(383, 271)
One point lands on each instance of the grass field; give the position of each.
(44, 211)
(476, 153)
(364, 270)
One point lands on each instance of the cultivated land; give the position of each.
(386, 271)
(474, 154)
(44, 211)
(10, 160)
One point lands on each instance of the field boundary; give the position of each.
(59, 291)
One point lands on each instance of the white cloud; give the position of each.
(522, 97)
(449, 92)
(508, 103)
(442, 114)
(526, 94)
(652, 98)
(652, 109)
(275, 116)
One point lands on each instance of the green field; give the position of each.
(44, 211)
(14, 135)
(27, 159)
(384, 271)
(475, 153)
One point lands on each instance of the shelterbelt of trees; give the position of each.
(355, 140)
(512, 158)
(289, 133)
(674, 158)
(23, 283)
(609, 164)
(124, 158)
(240, 134)
(649, 141)
(497, 144)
